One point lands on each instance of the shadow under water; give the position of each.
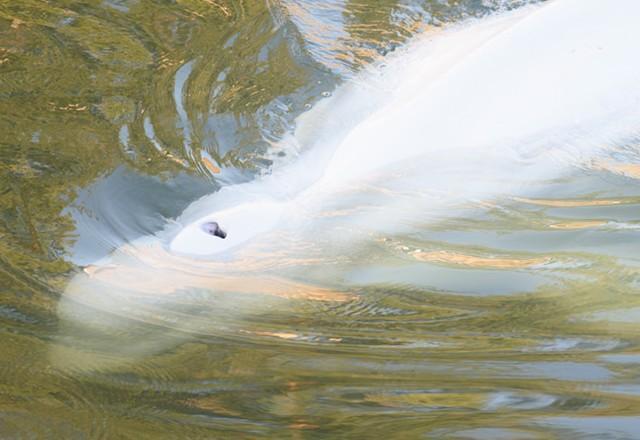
(505, 316)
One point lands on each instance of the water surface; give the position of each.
(514, 318)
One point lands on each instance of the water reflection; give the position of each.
(513, 317)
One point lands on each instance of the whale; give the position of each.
(476, 111)
(557, 80)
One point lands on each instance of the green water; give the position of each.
(512, 320)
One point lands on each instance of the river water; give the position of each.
(511, 318)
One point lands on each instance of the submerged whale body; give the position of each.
(473, 112)
(545, 87)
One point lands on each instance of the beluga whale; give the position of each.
(535, 89)
(473, 112)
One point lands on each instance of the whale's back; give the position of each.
(564, 75)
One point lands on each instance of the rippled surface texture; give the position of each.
(510, 317)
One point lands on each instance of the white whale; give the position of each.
(473, 112)
(561, 79)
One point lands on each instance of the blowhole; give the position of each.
(213, 228)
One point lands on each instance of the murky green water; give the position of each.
(510, 320)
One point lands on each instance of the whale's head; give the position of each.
(226, 229)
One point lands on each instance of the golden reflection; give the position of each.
(578, 224)
(450, 257)
(303, 426)
(211, 166)
(281, 335)
(250, 259)
(16, 23)
(154, 281)
(212, 404)
(568, 203)
(631, 170)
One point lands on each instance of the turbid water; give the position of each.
(493, 316)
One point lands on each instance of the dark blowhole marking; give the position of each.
(213, 228)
